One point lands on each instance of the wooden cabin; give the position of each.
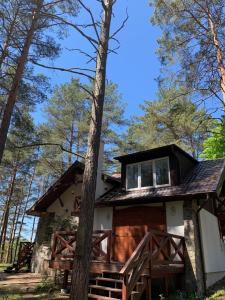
(162, 223)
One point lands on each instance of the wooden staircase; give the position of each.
(158, 255)
(109, 285)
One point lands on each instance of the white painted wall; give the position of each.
(69, 195)
(103, 218)
(174, 217)
(68, 201)
(103, 221)
(213, 247)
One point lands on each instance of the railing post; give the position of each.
(124, 289)
(53, 246)
(109, 246)
(149, 285)
(65, 279)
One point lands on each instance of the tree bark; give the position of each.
(219, 55)
(33, 230)
(8, 258)
(80, 274)
(24, 210)
(17, 79)
(6, 213)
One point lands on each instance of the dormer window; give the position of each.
(152, 173)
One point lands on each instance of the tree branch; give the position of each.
(92, 18)
(121, 26)
(70, 70)
(49, 144)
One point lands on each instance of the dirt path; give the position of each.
(23, 286)
(20, 281)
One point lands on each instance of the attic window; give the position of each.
(151, 173)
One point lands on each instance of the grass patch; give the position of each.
(218, 294)
(5, 295)
(3, 267)
(47, 284)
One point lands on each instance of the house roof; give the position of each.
(149, 152)
(205, 178)
(61, 185)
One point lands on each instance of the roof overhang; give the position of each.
(56, 189)
(146, 154)
(153, 200)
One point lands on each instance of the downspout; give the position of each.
(200, 241)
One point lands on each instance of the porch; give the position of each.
(158, 255)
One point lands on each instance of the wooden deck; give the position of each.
(158, 255)
(99, 267)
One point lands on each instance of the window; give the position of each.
(132, 176)
(162, 171)
(148, 174)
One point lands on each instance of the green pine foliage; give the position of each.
(187, 44)
(169, 119)
(67, 124)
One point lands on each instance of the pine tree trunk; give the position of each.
(11, 236)
(70, 155)
(33, 230)
(219, 55)
(80, 274)
(6, 213)
(8, 110)
(16, 225)
(24, 211)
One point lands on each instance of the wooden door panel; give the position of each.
(130, 226)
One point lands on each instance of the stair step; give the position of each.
(105, 288)
(111, 274)
(93, 296)
(108, 282)
(109, 279)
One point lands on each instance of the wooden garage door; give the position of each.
(130, 226)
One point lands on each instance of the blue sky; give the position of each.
(135, 67)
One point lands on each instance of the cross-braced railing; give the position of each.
(156, 248)
(64, 245)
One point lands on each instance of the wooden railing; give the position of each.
(64, 245)
(156, 248)
(102, 245)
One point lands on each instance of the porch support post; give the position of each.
(194, 277)
(65, 279)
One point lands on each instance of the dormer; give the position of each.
(155, 168)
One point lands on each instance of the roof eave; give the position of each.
(156, 199)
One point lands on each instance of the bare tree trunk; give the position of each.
(24, 211)
(33, 229)
(17, 79)
(16, 225)
(80, 275)
(219, 54)
(70, 155)
(11, 236)
(6, 213)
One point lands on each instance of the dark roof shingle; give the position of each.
(204, 178)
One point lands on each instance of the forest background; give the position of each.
(144, 108)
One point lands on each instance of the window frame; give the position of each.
(153, 171)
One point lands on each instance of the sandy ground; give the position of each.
(24, 284)
(20, 281)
